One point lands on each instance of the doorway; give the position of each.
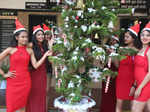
(39, 20)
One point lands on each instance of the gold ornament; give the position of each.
(136, 22)
(80, 4)
(96, 36)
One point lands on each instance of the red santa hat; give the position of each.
(37, 28)
(115, 37)
(19, 26)
(45, 28)
(135, 29)
(147, 27)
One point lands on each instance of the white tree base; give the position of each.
(83, 106)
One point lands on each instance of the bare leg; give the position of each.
(119, 105)
(138, 106)
(21, 110)
(148, 106)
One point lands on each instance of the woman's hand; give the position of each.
(137, 92)
(10, 74)
(48, 53)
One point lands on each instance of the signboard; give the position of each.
(42, 5)
(8, 12)
(35, 5)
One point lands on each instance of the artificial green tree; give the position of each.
(81, 49)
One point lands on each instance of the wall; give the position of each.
(16, 4)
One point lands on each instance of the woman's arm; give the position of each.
(2, 56)
(146, 79)
(36, 63)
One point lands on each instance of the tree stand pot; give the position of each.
(82, 106)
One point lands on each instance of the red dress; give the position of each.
(37, 97)
(109, 99)
(125, 78)
(141, 70)
(18, 88)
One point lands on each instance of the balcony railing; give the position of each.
(141, 6)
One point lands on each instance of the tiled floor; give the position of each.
(4, 110)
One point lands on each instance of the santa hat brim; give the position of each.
(46, 31)
(20, 29)
(146, 29)
(38, 29)
(116, 38)
(133, 31)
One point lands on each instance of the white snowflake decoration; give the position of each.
(95, 74)
(70, 2)
(98, 53)
(70, 84)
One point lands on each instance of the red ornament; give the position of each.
(89, 100)
(87, 50)
(77, 17)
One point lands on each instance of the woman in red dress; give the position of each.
(125, 78)
(18, 77)
(142, 73)
(109, 98)
(37, 97)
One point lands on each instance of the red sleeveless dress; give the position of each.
(125, 78)
(18, 88)
(140, 71)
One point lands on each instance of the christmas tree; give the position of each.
(81, 55)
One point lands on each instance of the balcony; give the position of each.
(140, 6)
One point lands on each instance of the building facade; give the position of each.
(33, 12)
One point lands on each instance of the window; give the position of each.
(7, 27)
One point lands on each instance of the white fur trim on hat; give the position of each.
(37, 30)
(132, 31)
(146, 29)
(114, 37)
(19, 30)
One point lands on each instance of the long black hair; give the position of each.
(137, 43)
(37, 50)
(14, 41)
(36, 46)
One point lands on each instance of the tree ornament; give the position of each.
(70, 2)
(110, 25)
(79, 13)
(108, 78)
(66, 19)
(59, 83)
(75, 26)
(95, 74)
(77, 17)
(107, 84)
(84, 28)
(80, 4)
(96, 36)
(87, 50)
(56, 72)
(123, 1)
